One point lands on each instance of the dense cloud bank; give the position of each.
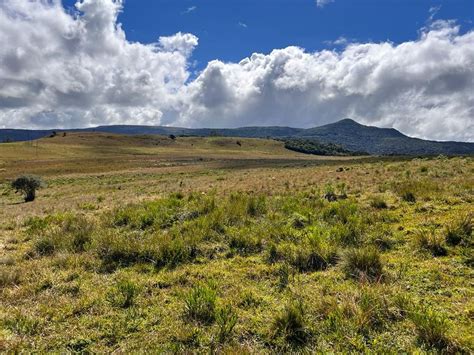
(61, 69)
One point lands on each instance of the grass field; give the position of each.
(233, 245)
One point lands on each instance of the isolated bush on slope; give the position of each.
(27, 184)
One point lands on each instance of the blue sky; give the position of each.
(230, 30)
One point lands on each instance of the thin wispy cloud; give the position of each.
(433, 11)
(189, 10)
(322, 3)
(340, 41)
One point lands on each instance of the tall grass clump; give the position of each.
(158, 214)
(9, 277)
(226, 319)
(378, 202)
(244, 241)
(123, 294)
(200, 304)
(256, 206)
(291, 324)
(431, 328)
(61, 232)
(363, 264)
(428, 240)
(459, 232)
(313, 254)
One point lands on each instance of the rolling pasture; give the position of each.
(229, 245)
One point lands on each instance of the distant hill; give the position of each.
(381, 141)
(347, 134)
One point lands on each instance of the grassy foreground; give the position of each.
(362, 256)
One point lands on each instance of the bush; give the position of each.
(460, 231)
(200, 304)
(291, 324)
(431, 328)
(226, 319)
(123, 295)
(363, 264)
(426, 239)
(27, 184)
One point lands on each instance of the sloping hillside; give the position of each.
(384, 141)
(347, 133)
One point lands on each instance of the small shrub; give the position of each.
(27, 184)
(291, 324)
(363, 264)
(427, 239)
(200, 304)
(431, 327)
(226, 319)
(460, 231)
(123, 295)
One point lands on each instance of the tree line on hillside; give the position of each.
(308, 146)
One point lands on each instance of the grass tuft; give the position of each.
(200, 304)
(363, 264)
(428, 240)
(291, 324)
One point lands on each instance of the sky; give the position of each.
(407, 64)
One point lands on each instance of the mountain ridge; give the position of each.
(346, 133)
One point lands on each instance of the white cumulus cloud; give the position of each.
(59, 69)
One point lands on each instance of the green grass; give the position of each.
(247, 258)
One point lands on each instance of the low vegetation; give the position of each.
(330, 257)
